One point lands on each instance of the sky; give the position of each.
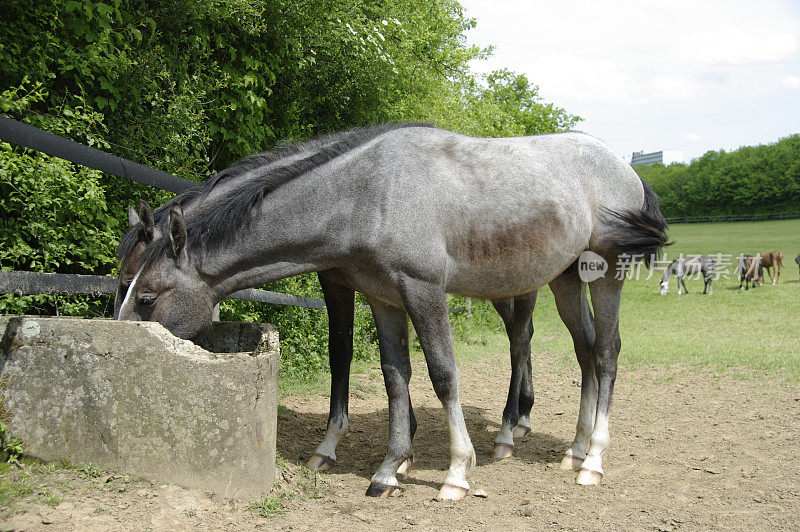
(673, 75)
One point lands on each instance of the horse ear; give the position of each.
(147, 219)
(177, 230)
(133, 218)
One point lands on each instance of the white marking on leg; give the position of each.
(128, 294)
(327, 446)
(377, 478)
(583, 430)
(462, 454)
(506, 434)
(523, 427)
(598, 445)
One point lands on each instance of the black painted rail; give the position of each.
(29, 283)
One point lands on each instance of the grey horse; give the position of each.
(147, 226)
(681, 267)
(406, 215)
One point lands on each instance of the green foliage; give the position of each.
(189, 87)
(751, 179)
(55, 214)
(304, 332)
(10, 447)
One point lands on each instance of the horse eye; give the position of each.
(147, 300)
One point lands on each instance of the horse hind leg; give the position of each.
(606, 294)
(573, 308)
(392, 326)
(516, 315)
(339, 301)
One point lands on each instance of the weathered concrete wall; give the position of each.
(132, 397)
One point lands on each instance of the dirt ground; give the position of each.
(690, 449)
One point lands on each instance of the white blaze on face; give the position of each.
(128, 294)
(664, 288)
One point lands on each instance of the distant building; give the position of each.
(660, 157)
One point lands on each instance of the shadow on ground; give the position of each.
(363, 448)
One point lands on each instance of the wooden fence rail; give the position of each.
(748, 217)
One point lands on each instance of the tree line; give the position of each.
(190, 87)
(752, 179)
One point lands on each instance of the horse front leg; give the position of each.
(392, 326)
(605, 294)
(426, 304)
(516, 314)
(339, 301)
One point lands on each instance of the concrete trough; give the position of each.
(131, 397)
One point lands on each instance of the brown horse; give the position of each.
(750, 270)
(773, 259)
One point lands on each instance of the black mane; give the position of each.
(232, 212)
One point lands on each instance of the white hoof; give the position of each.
(319, 462)
(405, 468)
(503, 451)
(521, 432)
(571, 463)
(589, 478)
(451, 493)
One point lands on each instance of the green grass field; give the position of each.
(734, 329)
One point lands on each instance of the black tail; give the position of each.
(639, 234)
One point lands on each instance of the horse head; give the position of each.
(664, 287)
(168, 287)
(142, 233)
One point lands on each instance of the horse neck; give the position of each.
(668, 272)
(294, 230)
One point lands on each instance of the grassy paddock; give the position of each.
(732, 329)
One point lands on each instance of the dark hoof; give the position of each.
(379, 490)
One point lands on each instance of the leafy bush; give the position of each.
(752, 179)
(189, 87)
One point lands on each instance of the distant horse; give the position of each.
(681, 267)
(749, 270)
(405, 215)
(773, 259)
(797, 260)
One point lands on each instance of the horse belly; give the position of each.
(511, 274)
(506, 255)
